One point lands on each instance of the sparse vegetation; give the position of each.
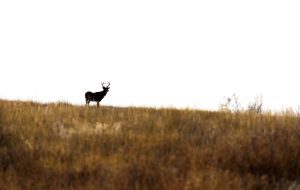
(62, 146)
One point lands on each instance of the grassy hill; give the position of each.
(62, 146)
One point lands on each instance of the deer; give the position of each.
(97, 96)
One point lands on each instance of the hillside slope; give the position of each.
(62, 146)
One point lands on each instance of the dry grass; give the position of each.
(61, 146)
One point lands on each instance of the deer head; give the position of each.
(105, 88)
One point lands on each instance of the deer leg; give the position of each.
(98, 104)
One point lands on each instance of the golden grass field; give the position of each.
(63, 146)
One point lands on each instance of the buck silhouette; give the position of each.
(97, 96)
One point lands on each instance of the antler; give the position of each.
(108, 84)
(102, 83)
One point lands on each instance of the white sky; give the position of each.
(179, 53)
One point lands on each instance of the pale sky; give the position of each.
(178, 53)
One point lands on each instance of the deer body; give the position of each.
(96, 96)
